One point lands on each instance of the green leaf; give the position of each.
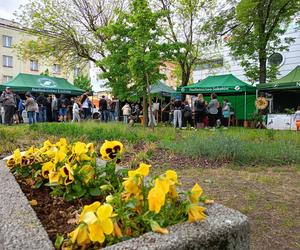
(58, 241)
(38, 184)
(94, 191)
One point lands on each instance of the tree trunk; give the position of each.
(262, 66)
(145, 109)
(150, 104)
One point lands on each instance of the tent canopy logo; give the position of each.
(47, 83)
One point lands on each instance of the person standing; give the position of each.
(54, 108)
(213, 110)
(31, 108)
(200, 111)
(225, 113)
(42, 102)
(126, 112)
(76, 110)
(187, 116)
(151, 115)
(103, 109)
(297, 118)
(62, 106)
(177, 114)
(85, 105)
(9, 104)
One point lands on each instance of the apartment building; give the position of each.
(11, 65)
(219, 61)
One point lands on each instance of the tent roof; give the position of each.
(290, 81)
(161, 88)
(41, 83)
(218, 84)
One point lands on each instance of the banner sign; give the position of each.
(281, 122)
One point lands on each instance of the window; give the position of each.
(56, 69)
(76, 72)
(8, 61)
(7, 78)
(7, 41)
(34, 65)
(210, 64)
(276, 59)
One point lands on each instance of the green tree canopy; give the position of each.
(255, 29)
(83, 82)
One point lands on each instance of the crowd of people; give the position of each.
(201, 114)
(52, 108)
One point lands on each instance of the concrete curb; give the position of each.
(20, 229)
(224, 228)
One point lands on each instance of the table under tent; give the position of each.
(240, 94)
(23, 83)
(162, 93)
(283, 93)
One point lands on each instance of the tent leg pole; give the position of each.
(245, 107)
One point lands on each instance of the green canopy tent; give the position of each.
(162, 89)
(41, 84)
(285, 91)
(240, 94)
(289, 82)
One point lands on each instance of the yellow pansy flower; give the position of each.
(195, 193)
(79, 148)
(90, 147)
(196, 213)
(54, 177)
(172, 192)
(172, 176)
(15, 159)
(156, 199)
(111, 149)
(80, 235)
(163, 184)
(46, 168)
(59, 157)
(89, 208)
(103, 225)
(67, 173)
(143, 170)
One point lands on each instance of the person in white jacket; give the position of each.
(126, 112)
(76, 111)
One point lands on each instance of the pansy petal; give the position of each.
(96, 233)
(104, 211)
(107, 226)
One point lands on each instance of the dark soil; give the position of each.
(56, 215)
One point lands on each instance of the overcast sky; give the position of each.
(8, 7)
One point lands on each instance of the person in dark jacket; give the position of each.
(8, 101)
(63, 108)
(187, 116)
(103, 109)
(42, 103)
(200, 111)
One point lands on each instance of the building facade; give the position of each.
(221, 62)
(11, 65)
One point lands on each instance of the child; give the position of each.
(225, 113)
(75, 110)
(297, 118)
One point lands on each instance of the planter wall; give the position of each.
(20, 228)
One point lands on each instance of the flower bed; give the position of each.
(99, 205)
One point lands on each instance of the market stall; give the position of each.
(161, 91)
(284, 98)
(240, 94)
(41, 84)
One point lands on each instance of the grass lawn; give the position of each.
(254, 171)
